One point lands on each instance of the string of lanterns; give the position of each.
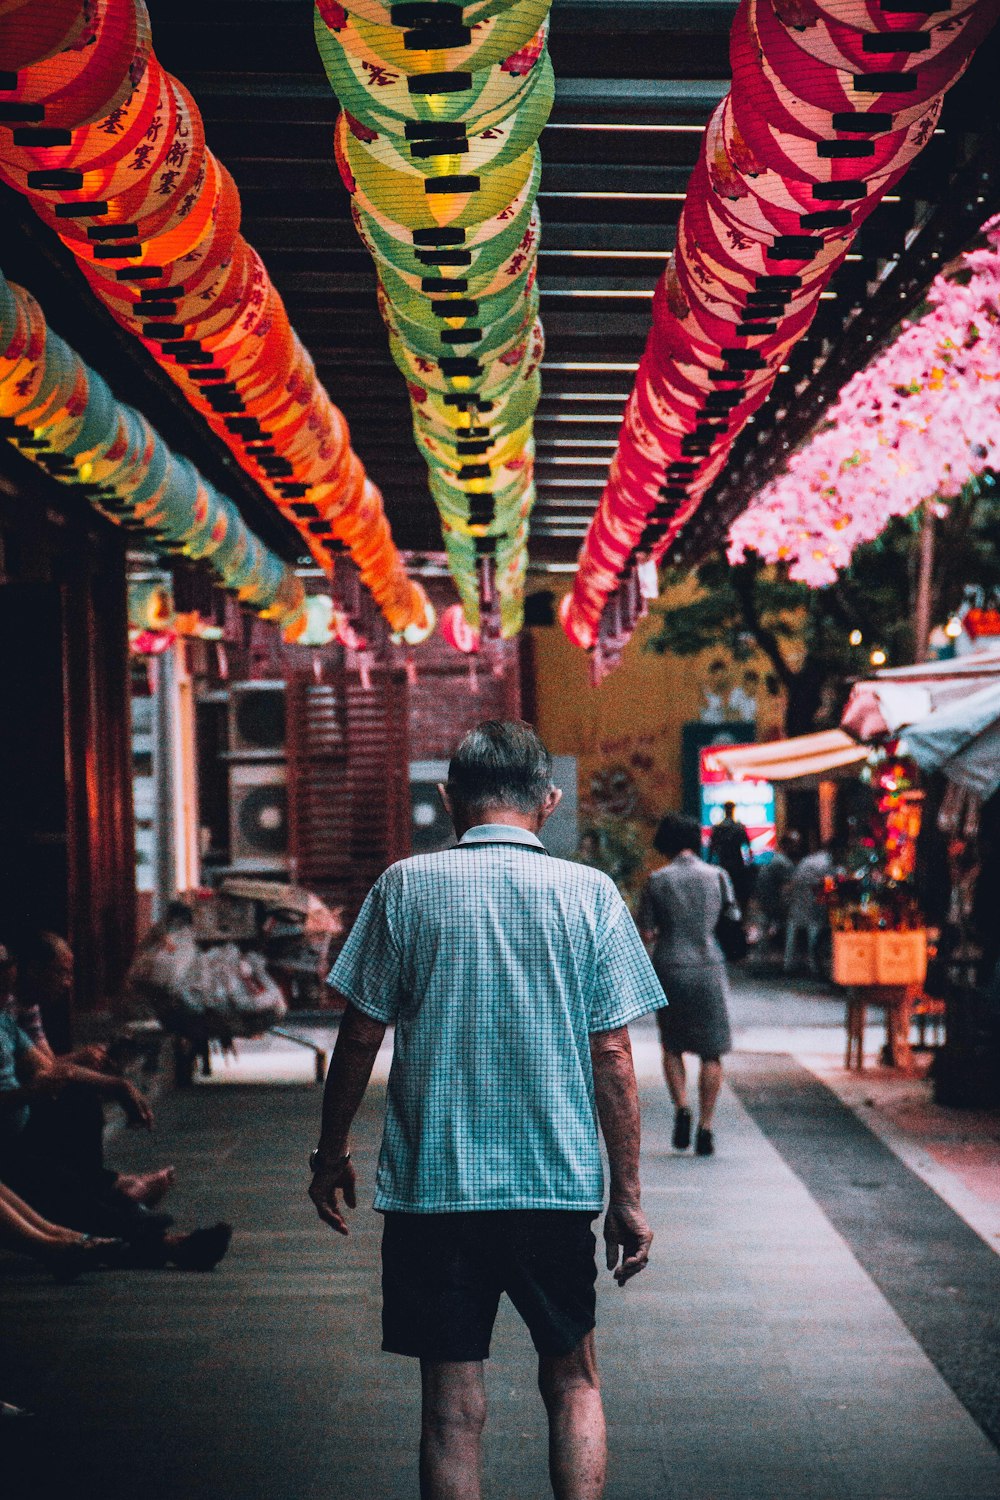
(831, 101)
(110, 150)
(441, 109)
(62, 415)
(922, 420)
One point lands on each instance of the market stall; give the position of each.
(944, 718)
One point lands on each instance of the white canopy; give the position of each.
(806, 759)
(961, 739)
(897, 696)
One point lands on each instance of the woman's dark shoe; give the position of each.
(704, 1143)
(202, 1249)
(682, 1129)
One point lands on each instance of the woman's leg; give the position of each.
(673, 1065)
(673, 1069)
(21, 1228)
(709, 1084)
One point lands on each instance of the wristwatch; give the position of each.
(333, 1166)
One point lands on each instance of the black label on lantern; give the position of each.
(446, 235)
(421, 150)
(112, 231)
(456, 307)
(81, 210)
(55, 181)
(895, 41)
(434, 130)
(444, 257)
(840, 149)
(885, 83)
(793, 247)
(839, 192)
(439, 83)
(425, 13)
(436, 38)
(460, 367)
(461, 335)
(827, 218)
(455, 183)
(45, 135)
(862, 121)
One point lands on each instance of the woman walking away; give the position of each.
(680, 909)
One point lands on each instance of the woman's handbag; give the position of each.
(729, 931)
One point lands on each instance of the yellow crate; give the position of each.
(854, 957)
(901, 957)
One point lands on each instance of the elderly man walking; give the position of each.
(510, 978)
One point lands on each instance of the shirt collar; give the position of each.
(501, 833)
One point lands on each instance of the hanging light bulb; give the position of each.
(855, 637)
(878, 657)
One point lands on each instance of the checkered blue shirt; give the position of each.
(495, 962)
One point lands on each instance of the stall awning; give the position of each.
(885, 703)
(804, 760)
(962, 740)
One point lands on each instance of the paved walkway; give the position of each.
(770, 1350)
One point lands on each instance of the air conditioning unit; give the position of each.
(256, 720)
(430, 826)
(258, 816)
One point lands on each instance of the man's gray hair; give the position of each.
(500, 763)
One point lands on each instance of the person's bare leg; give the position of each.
(673, 1071)
(451, 1428)
(22, 1222)
(709, 1084)
(578, 1449)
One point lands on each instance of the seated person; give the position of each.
(52, 1154)
(37, 980)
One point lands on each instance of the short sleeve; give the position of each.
(625, 983)
(369, 968)
(17, 1044)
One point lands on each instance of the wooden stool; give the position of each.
(898, 1001)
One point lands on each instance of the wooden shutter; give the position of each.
(348, 782)
(378, 776)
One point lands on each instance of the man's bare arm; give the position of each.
(617, 1097)
(358, 1041)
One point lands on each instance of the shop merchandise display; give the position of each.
(831, 101)
(441, 110)
(110, 150)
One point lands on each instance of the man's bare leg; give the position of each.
(578, 1450)
(451, 1430)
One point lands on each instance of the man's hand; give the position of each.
(133, 1101)
(626, 1232)
(323, 1190)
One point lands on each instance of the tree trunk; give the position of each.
(804, 695)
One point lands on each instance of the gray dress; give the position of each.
(684, 901)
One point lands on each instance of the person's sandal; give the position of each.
(704, 1143)
(682, 1129)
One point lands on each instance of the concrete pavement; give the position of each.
(756, 1358)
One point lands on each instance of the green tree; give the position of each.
(806, 634)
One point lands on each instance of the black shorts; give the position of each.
(442, 1276)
